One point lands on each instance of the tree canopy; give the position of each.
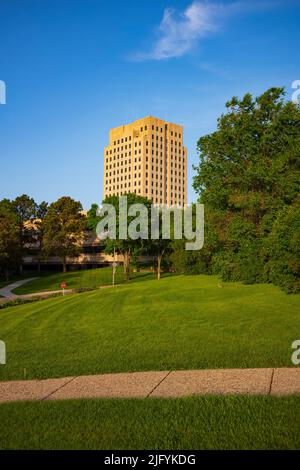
(127, 246)
(247, 177)
(63, 228)
(10, 240)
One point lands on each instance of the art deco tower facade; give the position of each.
(147, 157)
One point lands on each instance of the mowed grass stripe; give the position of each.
(79, 279)
(180, 322)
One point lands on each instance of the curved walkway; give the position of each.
(8, 295)
(167, 384)
(7, 290)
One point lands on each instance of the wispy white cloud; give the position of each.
(180, 31)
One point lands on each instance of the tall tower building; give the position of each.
(147, 157)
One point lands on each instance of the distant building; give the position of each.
(92, 252)
(147, 157)
(92, 255)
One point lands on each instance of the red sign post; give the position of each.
(63, 285)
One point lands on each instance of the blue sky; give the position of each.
(75, 68)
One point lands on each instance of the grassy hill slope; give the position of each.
(181, 322)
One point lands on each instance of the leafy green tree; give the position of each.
(41, 212)
(283, 248)
(10, 240)
(251, 163)
(178, 257)
(26, 209)
(92, 217)
(198, 261)
(160, 248)
(63, 228)
(127, 247)
(165, 249)
(249, 169)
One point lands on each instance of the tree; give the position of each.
(126, 247)
(283, 248)
(160, 247)
(25, 209)
(92, 217)
(249, 169)
(63, 228)
(196, 261)
(10, 245)
(41, 212)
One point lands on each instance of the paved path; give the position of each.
(167, 384)
(46, 294)
(7, 290)
(8, 295)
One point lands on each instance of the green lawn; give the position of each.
(16, 278)
(78, 279)
(191, 423)
(180, 322)
(4, 283)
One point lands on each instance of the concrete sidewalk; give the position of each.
(8, 295)
(7, 290)
(167, 384)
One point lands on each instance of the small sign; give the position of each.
(63, 285)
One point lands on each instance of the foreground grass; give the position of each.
(77, 279)
(190, 423)
(182, 322)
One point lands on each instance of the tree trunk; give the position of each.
(126, 257)
(159, 258)
(40, 254)
(124, 264)
(64, 265)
